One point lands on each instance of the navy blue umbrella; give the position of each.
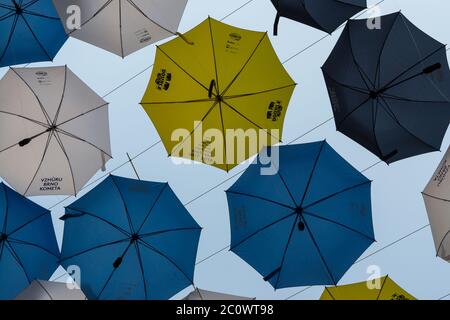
(30, 31)
(306, 224)
(390, 87)
(28, 247)
(325, 15)
(131, 240)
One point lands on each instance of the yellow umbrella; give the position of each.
(218, 97)
(387, 290)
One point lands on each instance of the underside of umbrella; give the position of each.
(30, 31)
(54, 131)
(200, 294)
(47, 290)
(123, 26)
(390, 88)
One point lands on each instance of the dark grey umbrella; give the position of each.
(325, 15)
(390, 87)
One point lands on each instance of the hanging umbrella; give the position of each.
(305, 225)
(54, 131)
(325, 15)
(437, 200)
(30, 31)
(47, 290)
(389, 88)
(131, 240)
(28, 247)
(229, 81)
(387, 290)
(200, 294)
(122, 26)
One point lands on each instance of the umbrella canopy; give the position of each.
(390, 88)
(131, 240)
(123, 26)
(387, 290)
(228, 84)
(30, 31)
(47, 290)
(200, 294)
(28, 247)
(54, 131)
(325, 15)
(305, 225)
(437, 201)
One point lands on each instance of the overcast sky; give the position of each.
(398, 207)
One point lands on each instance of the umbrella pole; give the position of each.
(132, 165)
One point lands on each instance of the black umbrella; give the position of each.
(325, 15)
(389, 87)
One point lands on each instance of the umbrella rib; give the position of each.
(141, 267)
(287, 189)
(16, 257)
(83, 212)
(338, 125)
(151, 209)
(356, 89)
(71, 135)
(312, 174)
(192, 132)
(338, 224)
(28, 222)
(83, 114)
(381, 289)
(319, 252)
(17, 241)
(13, 28)
(178, 102)
(181, 68)
(336, 194)
(157, 233)
(260, 230)
(442, 242)
(434, 197)
(93, 16)
(404, 128)
(47, 144)
(393, 97)
(44, 288)
(151, 20)
(63, 149)
(36, 38)
(329, 292)
(124, 204)
(261, 198)
(374, 126)
(93, 248)
(260, 92)
(62, 97)
(361, 72)
(120, 28)
(153, 249)
(303, 4)
(250, 121)
(25, 118)
(223, 138)
(214, 57)
(29, 4)
(41, 106)
(245, 65)
(7, 16)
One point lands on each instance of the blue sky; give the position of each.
(398, 207)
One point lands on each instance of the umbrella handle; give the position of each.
(211, 87)
(182, 36)
(275, 25)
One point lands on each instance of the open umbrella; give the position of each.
(200, 294)
(30, 31)
(48, 290)
(221, 99)
(325, 15)
(305, 225)
(390, 88)
(28, 247)
(54, 131)
(131, 240)
(122, 26)
(437, 200)
(386, 290)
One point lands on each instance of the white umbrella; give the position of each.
(54, 131)
(437, 200)
(121, 26)
(46, 290)
(200, 294)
